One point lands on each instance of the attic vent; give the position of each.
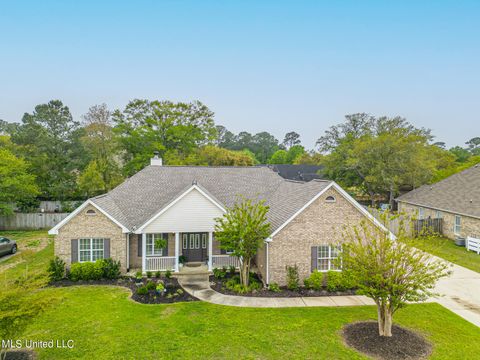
(91, 212)
(330, 199)
(194, 182)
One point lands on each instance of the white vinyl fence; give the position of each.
(472, 244)
(31, 221)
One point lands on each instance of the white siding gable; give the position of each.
(192, 213)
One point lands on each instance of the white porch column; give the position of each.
(144, 252)
(177, 251)
(210, 251)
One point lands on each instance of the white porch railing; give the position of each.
(160, 263)
(219, 261)
(472, 244)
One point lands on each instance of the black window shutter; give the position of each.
(106, 248)
(165, 250)
(74, 251)
(139, 242)
(314, 257)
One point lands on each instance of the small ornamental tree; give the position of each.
(390, 271)
(242, 229)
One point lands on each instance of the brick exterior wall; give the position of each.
(320, 223)
(469, 226)
(91, 226)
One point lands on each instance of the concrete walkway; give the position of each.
(460, 293)
(199, 286)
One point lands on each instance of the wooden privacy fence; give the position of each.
(428, 226)
(413, 227)
(31, 221)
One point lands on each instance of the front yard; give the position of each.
(446, 249)
(105, 324)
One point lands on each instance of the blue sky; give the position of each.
(259, 65)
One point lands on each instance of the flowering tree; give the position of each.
(242, 229)
(390, 271)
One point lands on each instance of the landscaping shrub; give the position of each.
(340, 281)
(315, 280)
(219, 273)
(292, 277)
(151, 285)
(86, 271)
(233, 284)
(157, 274)
(142, 290)
(160, 287)
(56, 269)
(274, 287)
(110, 268)
(149, 274)
(232, 270)
(168, 274)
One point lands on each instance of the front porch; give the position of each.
(181, 248)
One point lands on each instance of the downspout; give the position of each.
(128, 251)
(267, 272)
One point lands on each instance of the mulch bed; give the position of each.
(171, 286)
(404, 344)
(218, 285)
(21, 355)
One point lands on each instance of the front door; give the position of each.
(194, 246)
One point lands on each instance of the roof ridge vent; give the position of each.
(194, 182)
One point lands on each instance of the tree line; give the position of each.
(51, 155)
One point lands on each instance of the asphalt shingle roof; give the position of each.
(150, 190)
(459, 193)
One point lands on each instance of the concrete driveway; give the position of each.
(461, 293)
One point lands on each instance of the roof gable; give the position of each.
(193, 210)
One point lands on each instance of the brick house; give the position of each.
(455, 199)
(180, 203)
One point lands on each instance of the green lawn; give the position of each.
(446, 249)
(105, 324)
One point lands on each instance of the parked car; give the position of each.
(7, 246)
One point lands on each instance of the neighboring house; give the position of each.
(455, 199)
(298, 172)
(180, 204)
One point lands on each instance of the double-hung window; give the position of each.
(90, 249)
(421, 213)
(153, 248)
(327, 256)
(457, 227)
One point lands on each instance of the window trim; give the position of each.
(457, 226)
(204, 241)
(90, 249)
(329, 257)
(185, 241)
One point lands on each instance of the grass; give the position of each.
(446, 249)
(105, 324)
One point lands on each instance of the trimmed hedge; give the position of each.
(100, 269)
(332, 280)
